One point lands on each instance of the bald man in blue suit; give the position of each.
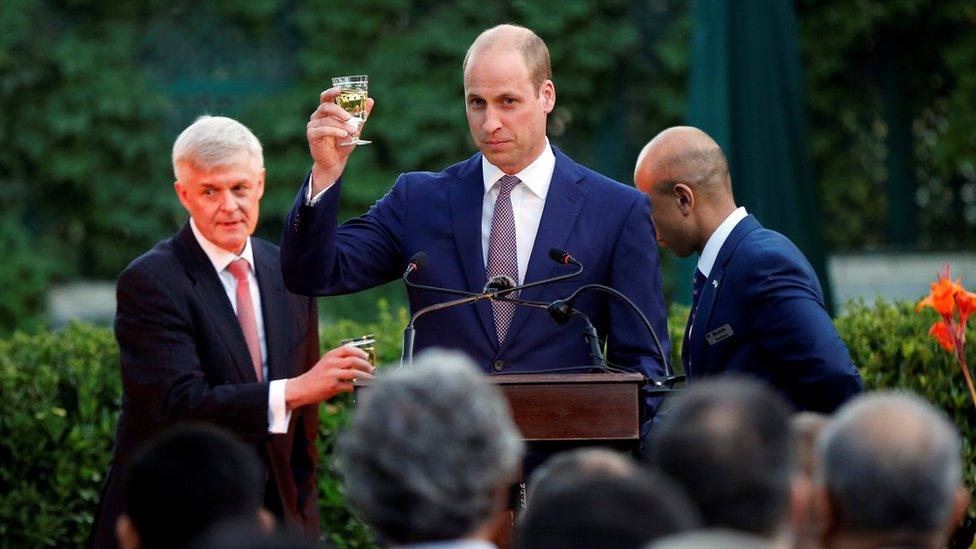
(758, 309)
(452, 216)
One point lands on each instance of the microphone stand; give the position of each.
(406, 358)
(560, 311)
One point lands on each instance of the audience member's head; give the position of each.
(598, 498)
(727, 442)
(891, 474)
(184, 482)
(431, 451)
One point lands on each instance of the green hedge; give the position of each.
(61, 392)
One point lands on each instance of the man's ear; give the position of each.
(959, 507)
(126, 534)
(266, 520)
(825, 513)
(685, 198)
(801, 502)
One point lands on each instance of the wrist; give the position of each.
(323, 178)
(294, 394)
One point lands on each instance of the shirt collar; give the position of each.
(536, 176)
(714, 244)
(219, 257)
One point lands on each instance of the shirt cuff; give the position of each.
(313, 200)
(278, 414)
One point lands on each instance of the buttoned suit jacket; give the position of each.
(183, 358)
(604, 224)
(762, 314)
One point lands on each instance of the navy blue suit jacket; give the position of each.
(605, 224)
(183, 358)
(762, 314)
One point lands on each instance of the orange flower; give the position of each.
(942, 297)
(966, 301)
(940, 330)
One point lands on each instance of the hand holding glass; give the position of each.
(353, 92)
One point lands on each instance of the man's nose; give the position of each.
(227, 202)
(492, 121)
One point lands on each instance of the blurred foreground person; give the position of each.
(891, 475)
(207, 332)
(430, 454)
(186, 481)
(599, 498)
(757, 309)
(728, 443)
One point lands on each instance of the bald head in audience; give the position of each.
(891, 474)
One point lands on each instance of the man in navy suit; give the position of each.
(496, 214)
(758, 308)
(208, 333)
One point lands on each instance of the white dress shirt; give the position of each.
(528, 201)
(278, 414)
(714, 244)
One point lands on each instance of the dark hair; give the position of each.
(579, 503)
(188, 479)
(728, 443)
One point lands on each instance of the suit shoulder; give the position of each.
(449, 174)
(159, 258)
(606, 187)
(764, 246)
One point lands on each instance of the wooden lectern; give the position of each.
(574, 408)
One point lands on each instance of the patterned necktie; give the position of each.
(503, 252)
(245, 313)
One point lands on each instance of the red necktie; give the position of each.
(503, 252)
(245, 313)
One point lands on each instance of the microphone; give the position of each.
(416, 262)
(497, 288)
(562, 309)
(562, 256)
(498, 284)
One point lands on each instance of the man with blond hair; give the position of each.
(208, 333)
(497, 214)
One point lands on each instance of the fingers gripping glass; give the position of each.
(353, 92)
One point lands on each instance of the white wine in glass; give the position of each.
(353, 92)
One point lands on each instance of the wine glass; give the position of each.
(353, 91)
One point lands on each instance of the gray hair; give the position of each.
(890, 463)
(214, 142)
(427, 449)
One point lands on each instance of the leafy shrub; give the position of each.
(61, 394)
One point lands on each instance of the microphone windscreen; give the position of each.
(499, 283)
(559, 255)
(419, 259)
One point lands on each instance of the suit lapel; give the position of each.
(466, 201)
(273, 303)
(696, 341)
(564, 202)
(216, 307)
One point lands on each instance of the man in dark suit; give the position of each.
(207, 331)
(496, 214)
(758, 307)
